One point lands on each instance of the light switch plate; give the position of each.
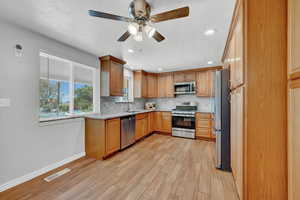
(4, 102)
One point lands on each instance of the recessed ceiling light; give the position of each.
(160, 69)
(210, 62)
(130, 50)
(210, 32)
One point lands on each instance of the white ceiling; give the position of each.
(185, 46)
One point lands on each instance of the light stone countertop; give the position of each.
(124, 114)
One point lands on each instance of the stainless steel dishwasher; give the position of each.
(127, 131)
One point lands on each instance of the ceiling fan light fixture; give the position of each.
(150, 31)
(133, 28)
(138, 37)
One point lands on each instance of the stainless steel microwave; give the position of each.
(185, 88)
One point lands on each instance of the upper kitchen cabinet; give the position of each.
(111, 76)
(205, 83)
(152, 85)
(294, 38)
(234, 58)
(187, 76)
(140, 84)
(165, 85)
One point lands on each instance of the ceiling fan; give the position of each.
(140, 20)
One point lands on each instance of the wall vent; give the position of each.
(56, 175)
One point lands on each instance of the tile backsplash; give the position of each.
(109, 106)
(205, 104)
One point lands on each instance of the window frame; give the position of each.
(130, 98)
(71, 81)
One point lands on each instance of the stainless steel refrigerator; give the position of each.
(222, 119)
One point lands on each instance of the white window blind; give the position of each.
(66, 88)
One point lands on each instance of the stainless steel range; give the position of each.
(183, 120)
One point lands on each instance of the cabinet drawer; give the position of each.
(204, 115)
(203, 132)
(204, 123)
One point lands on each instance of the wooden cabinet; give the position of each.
(102, 137)
(179, 77)
(152, 85)
(205, 83)
(184, 76)
(259, 122)
(239, 59)
(294, 140)
(163, 122)
(204, 126)
(141, 126)
(294, 38)
(151, 122)
(111, 76)
(236, 53)
(113, 139)
(140, 84)
(237, 136)
(165, 85)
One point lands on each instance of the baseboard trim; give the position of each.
(39, 172)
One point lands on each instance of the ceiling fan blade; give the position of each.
(124, 37)
(173, 14)
(158, 37)
(94, 13)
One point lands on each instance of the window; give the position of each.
(66, 88)
(127, 87)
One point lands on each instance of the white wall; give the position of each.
(25, 146)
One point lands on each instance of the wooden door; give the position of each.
(161, 86)
(240, 139)
(205, 84)
(237, 137)
(179, 77)
(239, 64)
(189, 76)
(116, 79)
(152, 85)
(233, 133)
(151, 122)
(146, 129)
(113, 135)
(294, 140)
(158, 121)
(231, 60)
(144, 85)
(139, 128)
(169, 87)
(294, 36)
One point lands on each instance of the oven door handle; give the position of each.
(178, 115)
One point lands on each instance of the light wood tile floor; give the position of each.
(159, 167)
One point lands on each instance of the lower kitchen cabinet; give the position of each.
(102, 137)
(294, 140)
(113, 139)
(141, 126)
(151, 122)
(163, 122)
(204, 126)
